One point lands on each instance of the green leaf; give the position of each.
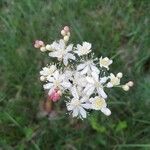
(28, 132)
(121, 126)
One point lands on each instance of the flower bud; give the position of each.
(68, 33)
(42, 49)
(130, 83)
(42, 78)
(66, 28)
(63, 32)
(125, 87)
(120, 75)
(55, 95)
(48, 47)
(38, 44)
(66, 38)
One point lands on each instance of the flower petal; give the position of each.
(65, 61)
(95, 76)
(81, 66)
(47, 86)
(82, 112)
(66, 84)
(88, 86)
(106, 111)
(85, 70)
(109, 85)
(69, 48)
(71, 56)
(74, 92)
(86, 105)
(75, 112)
(54, 54)
(90, 80)
(56, 74)
(95, 69)
(101, 92)
(90, 91)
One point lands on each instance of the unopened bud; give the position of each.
(48, 47)
(130, 83)
(66, 38)
(125, 87)
(119, 75)
(63, 32)
(42, 78)
(43, 49)
(68, 33)
(66, 28)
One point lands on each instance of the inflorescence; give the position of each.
(78, 75)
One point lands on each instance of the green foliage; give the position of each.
(117, 29)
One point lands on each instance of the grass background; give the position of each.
(116, 28)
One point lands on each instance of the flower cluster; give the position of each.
(78, 75)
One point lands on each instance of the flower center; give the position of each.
(76, 102)
(98, 84)
(99, 103)
(57, 83)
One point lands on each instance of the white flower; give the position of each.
(76, 79)
(48, 71)
(57, 81)
(114, 81)
(105, 62)
(62, 52)
(87, 68)
(83, 49)
(95, 83)
(98, 103)
(78, 104)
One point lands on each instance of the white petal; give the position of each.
(74, 92)
(103, 80)
(70, 107)
(81, 66)
(54, 54)
(87, 45)
(86, 105)
(75, 112)
(88, 86)
(65, 61)
(91, 99)
(90, 91)
(66, 84)
(50, 79)
(95, 76)
(79, 46)
(82, 112)
(109, 85)
(71, 56)
(110, 62)
(47, 86)
(106, 111)
(62, 44)
(69, 48)
(56, 74)
(95, 69)
(90, 80)
(85, 70)
(83, 99)
(101, 92)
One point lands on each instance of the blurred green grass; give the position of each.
(118, 29)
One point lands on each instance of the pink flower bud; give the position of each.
(66, 28)
(38, 44)
(55, 95)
